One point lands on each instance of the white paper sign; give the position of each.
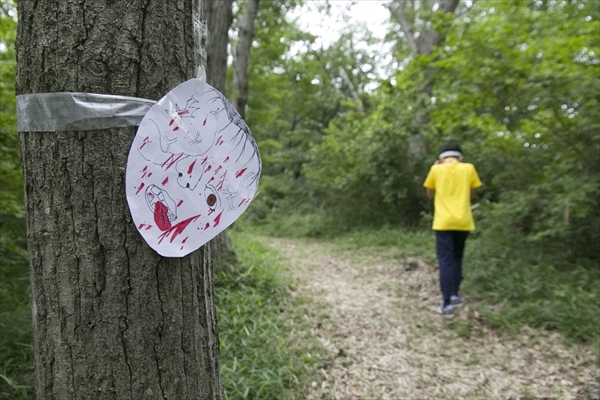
(192, 170)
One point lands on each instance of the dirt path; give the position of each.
(384, 342)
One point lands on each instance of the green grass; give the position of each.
(16, 351)
(519, 290)
(257, 359)
(510, 287)
(402, 242)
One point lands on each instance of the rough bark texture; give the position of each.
(111, 318)
(242, 56)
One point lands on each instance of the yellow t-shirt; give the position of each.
(452, 181)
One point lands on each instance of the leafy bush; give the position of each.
(524, 280)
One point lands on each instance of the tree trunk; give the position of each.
(111, 318)
(220, 18)
(242, 56)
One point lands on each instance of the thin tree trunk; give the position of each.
(220, 18)
(242, 56)
(111, 318)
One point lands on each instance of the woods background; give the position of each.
(347, 136)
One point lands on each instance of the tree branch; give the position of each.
(346, 78)
(408, 35)
(448, 6)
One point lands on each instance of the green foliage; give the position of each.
(257, 360)
(518, 85)
(12, 226)
(16, 354)
(518, 283)
(293, 99)
(362, 171)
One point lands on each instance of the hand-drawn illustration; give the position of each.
(192, 170)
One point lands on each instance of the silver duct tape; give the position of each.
(73, 111)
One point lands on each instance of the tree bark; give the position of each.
(242, 56)
(112, 319)
(220, 18)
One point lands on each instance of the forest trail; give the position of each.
(374, 316)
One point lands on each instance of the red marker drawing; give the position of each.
(191, 168)
(177, 229)
(140, 188)
(174, 161)
(221, 182)
(217, 219)
(240, 172)
(145, 142)
(161, 216)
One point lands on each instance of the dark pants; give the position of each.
(450, 246)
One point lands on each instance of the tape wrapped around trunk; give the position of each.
(74, 111)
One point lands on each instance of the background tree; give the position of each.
(293, 99)
(220, 18)
(111, 318)
(528, 105)
(242, 56)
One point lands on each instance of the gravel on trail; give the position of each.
(383, 340)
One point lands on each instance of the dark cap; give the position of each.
(450, 149)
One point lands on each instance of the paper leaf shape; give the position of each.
(192, 170)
